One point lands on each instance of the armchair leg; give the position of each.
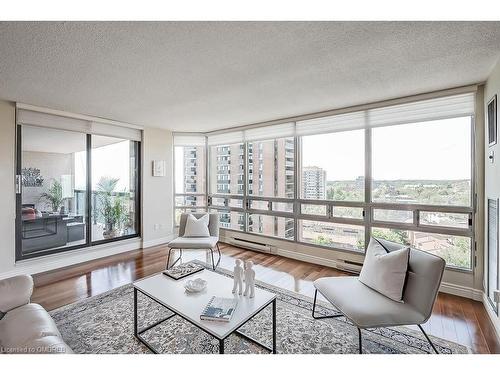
(428, 339)
(168, 259)
(215, 265)
(212, 254)
(360, 341)
(314, 309)
(218, 250)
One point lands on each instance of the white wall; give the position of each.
(156, 208)
(492, 170)
(157, 193)
(7, 188)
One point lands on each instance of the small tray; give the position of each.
(183, 270)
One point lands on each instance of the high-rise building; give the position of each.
(194, 165)
(270, 174)
(314, 183)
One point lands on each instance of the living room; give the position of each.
(221, 187)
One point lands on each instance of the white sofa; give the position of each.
(25, 327)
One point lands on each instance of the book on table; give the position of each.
(219, 309)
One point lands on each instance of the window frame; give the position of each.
(367, 204)
(89, 243)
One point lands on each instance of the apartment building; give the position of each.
(314, 183)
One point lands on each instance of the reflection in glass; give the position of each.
(53, 209)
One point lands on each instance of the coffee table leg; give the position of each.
(274, 326)
(135, 312)
(221, 346)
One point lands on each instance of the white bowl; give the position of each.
(196, 285)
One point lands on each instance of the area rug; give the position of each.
(104, 324)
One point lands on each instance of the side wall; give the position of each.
(492, 171)
(157, 192)
(157, 215)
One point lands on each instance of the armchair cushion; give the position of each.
(385, 271)
(25, 324)
(197, 227)
(193, 243)
(365, 307)
(15, 291)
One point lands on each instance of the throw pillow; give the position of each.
(385, 271)
(197, 227)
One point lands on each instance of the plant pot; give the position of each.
(108, 234)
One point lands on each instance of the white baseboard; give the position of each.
(307, 258)
(158, 241)
(461, 291)
(69, 258)
(495, 320)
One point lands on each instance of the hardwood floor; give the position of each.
(454, 318)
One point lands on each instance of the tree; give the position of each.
(394, 235)
(112, 207)
(322, 240)
(53, 196)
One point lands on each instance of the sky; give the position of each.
(433, 150)
(107, 161)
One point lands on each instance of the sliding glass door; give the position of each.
(114, 188)
(74, 190)
(53, 205)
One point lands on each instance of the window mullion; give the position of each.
(368, 180)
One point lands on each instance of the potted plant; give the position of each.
(53, 196)
(112, 207)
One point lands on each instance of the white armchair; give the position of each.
(25, 327)
(366, 308)
(185, 243)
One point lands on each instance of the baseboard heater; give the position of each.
(252, 245)
(349, 266)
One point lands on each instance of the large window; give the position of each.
(402, 172)
(333, 166)
(114, 188)
(423, 163)
(74, 189)
(433, 167)
(190, 179)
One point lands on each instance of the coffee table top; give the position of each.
(172, 295)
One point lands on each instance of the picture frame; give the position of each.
(159, 168)
(492, 121)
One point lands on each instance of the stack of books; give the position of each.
(219, 309)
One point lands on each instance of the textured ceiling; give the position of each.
(200, 76)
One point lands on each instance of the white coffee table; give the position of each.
(172, 295)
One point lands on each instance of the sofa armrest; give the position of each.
(15, 291)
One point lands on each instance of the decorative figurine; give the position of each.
(238, 276)
(249, 280)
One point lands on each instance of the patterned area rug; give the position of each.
(104, 324)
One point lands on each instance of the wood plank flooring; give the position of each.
(454, 318)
